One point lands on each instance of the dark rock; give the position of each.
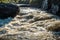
(54, 6)
(8, 10)
(49, 4)
(29, 17)
(25, 5)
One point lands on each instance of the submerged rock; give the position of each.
(8, 10)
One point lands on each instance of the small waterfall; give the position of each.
(44, 4)
(54, 8)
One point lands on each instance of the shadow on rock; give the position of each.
(7, 12)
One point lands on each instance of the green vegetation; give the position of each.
(9, 1)
(13, 1)
(21, 1)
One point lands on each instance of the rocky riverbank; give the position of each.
(31, 24)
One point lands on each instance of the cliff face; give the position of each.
(53, 2)
(52, 5)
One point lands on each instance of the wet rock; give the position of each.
(8, 10)
(29, 17)
(3, 32)
(54, 6)
(49, 4)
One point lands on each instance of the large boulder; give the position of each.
(8, 10)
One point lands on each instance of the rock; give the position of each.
(8, 10)
(49, 4)
(54, 6)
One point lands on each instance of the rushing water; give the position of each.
(54, 8)
(44, 4)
